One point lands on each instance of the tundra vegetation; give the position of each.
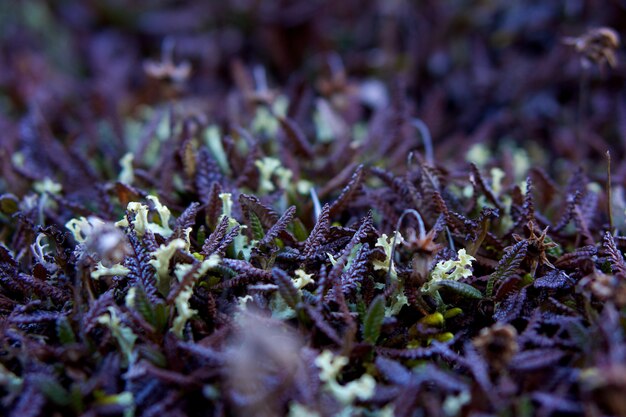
(312, 208)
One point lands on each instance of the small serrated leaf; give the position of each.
(510, 308)
(554, 280)
(256, 226)
(536, 359)
(507, 265)
(373, 320)
(161, 317)
(144, 306)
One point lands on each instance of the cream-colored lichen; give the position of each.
(454, 269)
(102, 271)
(497, 175)
(386, 242)
(450, 270)
(183, 310)
(181, 270)
(82, 227)
(227, 204)
(299, 410)
(127, 174)
(123, 335)
(303, 279)
(161, 259)
(278, 306)
(141, 222)
(214, 143)
(47, 185)
(478, 154)
(330, 367)
(267, 166)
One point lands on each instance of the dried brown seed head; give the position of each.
(498, 344)
(596, 46)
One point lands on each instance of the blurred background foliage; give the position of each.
(490, 71)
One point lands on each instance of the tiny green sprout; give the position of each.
(127, 175)
(284, 178)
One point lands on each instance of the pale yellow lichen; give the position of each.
(184, 311)
(450, 270)
(102, 271)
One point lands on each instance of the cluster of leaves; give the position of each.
(286, 258)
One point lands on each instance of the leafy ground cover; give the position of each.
(312, 208)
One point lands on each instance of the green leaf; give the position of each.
(299, 230)
(256, 226)
(286, 288)
(52, 390)
(64, 331)
(373, 320)
(460, 288)
(144, 306)
(161, 317)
